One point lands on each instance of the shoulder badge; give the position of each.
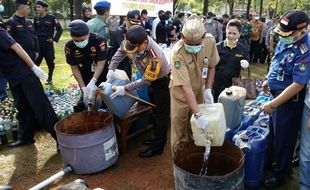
(303, 65)
(303, 48)
(93, 49)
(102, 45)
(177, 64)
(67, 51)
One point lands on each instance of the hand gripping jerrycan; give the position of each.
(233, 99)
(254, 143)
(216, 125)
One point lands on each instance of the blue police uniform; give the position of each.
(290, 64)
(33, 106)
(45, 28)
(22, 31)
(3, 85)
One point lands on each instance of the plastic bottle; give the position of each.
(15, 126)
(4, 140)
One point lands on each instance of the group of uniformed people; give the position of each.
(189, 77)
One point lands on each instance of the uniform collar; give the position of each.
(302, 40)
(100, 18)
(18, 17)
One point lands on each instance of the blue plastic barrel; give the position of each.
(254, 144)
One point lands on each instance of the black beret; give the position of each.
(78, 28)
(23, 2)
(42, 3)
(291, 21)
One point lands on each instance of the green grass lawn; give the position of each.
(63, 75)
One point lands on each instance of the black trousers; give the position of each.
(254, 51)
(263, 52)
(35, 110)
(286, 121)
(159, 95)
(48, 53)
(216, 92)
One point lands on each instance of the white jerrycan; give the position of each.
(216, 125)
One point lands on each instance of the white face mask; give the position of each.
(1, 8)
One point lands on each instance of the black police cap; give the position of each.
(78, 28)
(23, 2)
(135, 36)
(291, 21)
(134, 17)
(42, 3)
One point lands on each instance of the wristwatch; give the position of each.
(197, 115)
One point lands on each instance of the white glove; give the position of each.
(110, 75)
(120, 91)
(39, 72)
(244, 63)
(85, 96)
(102, 85)
(91, 87)
(202, 122)
(208, 97)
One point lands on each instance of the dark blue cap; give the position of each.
(103, 4)
(24, 2)
(42, 3)
(78, 28)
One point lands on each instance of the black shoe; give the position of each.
(19, 143)
(148, 141)
(149, 152)
(48, 82)
(295, 161)
(273, 182)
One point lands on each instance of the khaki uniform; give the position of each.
(186, 70)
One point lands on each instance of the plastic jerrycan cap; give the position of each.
(229, 91)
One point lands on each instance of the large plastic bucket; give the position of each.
(87, 141)
(225, 168)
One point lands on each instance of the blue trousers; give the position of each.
(286, 126)
(304, 166)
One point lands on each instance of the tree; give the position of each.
(231, 4)
(205, 7)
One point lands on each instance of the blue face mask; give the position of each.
(192, 49)
(209, 21)
(1, 8)
(81, 44)
(287, 40)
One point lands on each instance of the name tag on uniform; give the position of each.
(204, 73)
(238, 55)
(93, 67)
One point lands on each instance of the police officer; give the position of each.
(287, 77)
(233, 57)
(193, 61)
(99, 23)
(213, 27)
(22, 30)
(35, 110)
(44, 25)
(150, 61)
(86, 54)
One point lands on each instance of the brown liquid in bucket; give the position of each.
(224, 168)
(83, 123)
